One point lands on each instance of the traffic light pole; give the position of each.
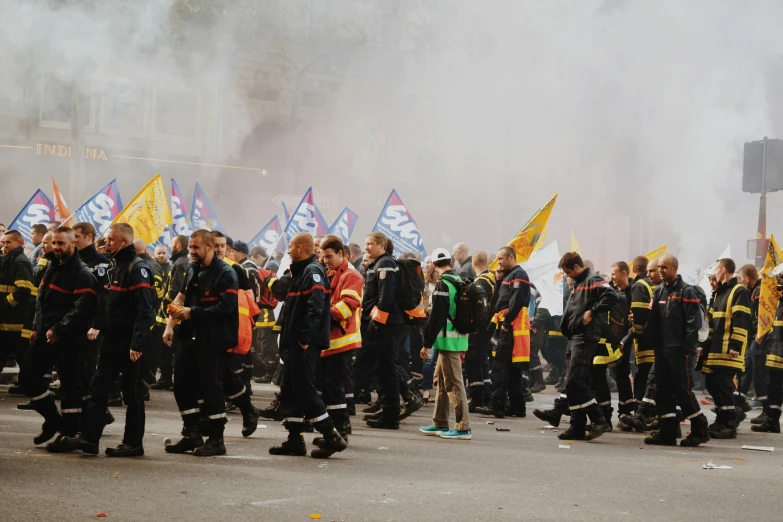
(761, 244)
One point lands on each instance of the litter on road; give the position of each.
(759, 448)
(712, 465)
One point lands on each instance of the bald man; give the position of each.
(461, 255)
(306, 322)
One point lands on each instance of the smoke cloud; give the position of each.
(635, 112)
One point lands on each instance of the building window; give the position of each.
(124, 109)
(56, 93)
(12, 99)
(175, 112)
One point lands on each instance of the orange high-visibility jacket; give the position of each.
(247, 310)
(346, 285)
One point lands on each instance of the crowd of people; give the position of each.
(212, 317)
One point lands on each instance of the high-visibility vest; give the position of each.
(247, 309)
(520, 329)
(449, 339)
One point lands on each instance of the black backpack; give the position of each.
(472, 306)
(411, 289)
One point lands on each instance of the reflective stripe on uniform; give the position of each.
(71, 410)
(580, 406)
(230, 397)
(217, 416)
(337, 407)
(322, 417)
(42, 396)
(189, 412)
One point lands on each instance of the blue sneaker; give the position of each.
(433, 430)
(457, 434)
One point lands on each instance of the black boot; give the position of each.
(638, 421)
(161, 385)
(27, 405)
(553, 377)
(599, 426)
(273, 411)
(761, 419)
(48, 430)
(190, 441)
(411, 406)
(294, 446)
(212, 447)
(551, 417)
(560, 385)
(249, 418)
(125, 450)
(491, 411)
(373, 407)
(572, 434)
(608, 411)
(660, 440)
(52, 419)
(78, 443)
(332, 444)
(771, 425)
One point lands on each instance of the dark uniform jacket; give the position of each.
(16, 291)
(173, 284)
(755, 298)
(66, 300)
(212, 295)
(590, 292)
(99, 265)
(731, 324)
(381, 290)
(674, 316)
(305, 317)
(774, 354)
(130, 302)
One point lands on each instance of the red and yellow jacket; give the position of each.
(346, 310)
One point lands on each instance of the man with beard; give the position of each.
(130, 314)
(66, 301)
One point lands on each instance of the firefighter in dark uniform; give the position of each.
(66, 301)
(16, 294)
(510, 328)
(382, 329)
(130, 314)
(306, 323)
(477, 356)
(208, 311)
(725, 357)
(172, 286)
(590, 300)
(642, 338)
(610, 354)
(674, 322)
(158, 276)
(85, 234)
(239, 254)
(774, 365)
(234, 386)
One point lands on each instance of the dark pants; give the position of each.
(115, 359)
(155, 353)
(556, 348)
(579, 367)
(600, 386)
(640, 383)
(720, 384)
(622, 374)
(674, 378)
(8, 343)
(198, 386)
(379, 352)
(759, 369)
(331, 382)
(506, 376)
(477, 368)
(775, 398)
(36, 374)
(301, 400)
(233, 385)
(87, 357)
(348, 377)
(266, 352)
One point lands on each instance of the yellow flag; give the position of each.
(770, 295)
(148, 213)
(524, 243)
(575, 245)
(657, 253)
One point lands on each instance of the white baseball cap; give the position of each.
(440, 254)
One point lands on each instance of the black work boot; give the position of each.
(294, 445)
(724, 426)
(249, 419)
(608, 411)
(761, 419)
(491, 411)
(771, 425)
(599, 426)
(78, 443)
(52, 419)
(552, 417)
(384, 423)
(273, 411)
(373, 407)
(48, 430)
(332, 444)
(553, 377)
(190, 441)
(698, 434)
(660, 440)
(638, 421)
(411, 406)
(572, 434)
(212, 447)
(125, 450)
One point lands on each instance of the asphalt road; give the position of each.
(523, 474)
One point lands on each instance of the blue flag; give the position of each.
(344, 224)
(269, 236)
(180, 218)
(38, 210)
(397, 223)
(202, 215)
(101, 209)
